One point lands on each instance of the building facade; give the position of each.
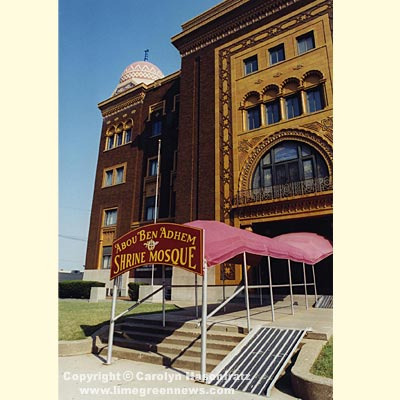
(246, 128)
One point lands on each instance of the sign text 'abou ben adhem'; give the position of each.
(162, 243)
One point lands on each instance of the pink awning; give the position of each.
(224, 242)
(313, 248)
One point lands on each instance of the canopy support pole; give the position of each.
(305, 284)
(112, 322)
(315, 286)
(259, 282)
(291, 287)
(223, 286)
(271, 294)
(203, 364)
(246, 285)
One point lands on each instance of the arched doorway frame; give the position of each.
(301, 135)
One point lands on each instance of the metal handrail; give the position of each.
(138, 303)
(212, 313)
(222, 304)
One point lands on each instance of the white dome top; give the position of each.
(136, 73)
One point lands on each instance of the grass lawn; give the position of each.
(78, 319)
(323, 365)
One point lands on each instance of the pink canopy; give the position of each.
(224, 242)
(313, 247)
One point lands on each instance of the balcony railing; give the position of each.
(292, 189)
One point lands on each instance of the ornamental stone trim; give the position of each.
(239, 23)
(316, 204)
(110, 111)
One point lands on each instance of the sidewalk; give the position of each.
(126, 380)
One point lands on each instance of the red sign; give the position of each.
(163, 243)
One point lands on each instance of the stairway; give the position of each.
(177, 344)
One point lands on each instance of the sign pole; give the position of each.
(196, 296)
(112, 322)
(163, 295)
(204, 325)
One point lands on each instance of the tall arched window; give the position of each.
(251, 105)
(313, 83)
(289, 161)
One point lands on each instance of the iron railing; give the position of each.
(292, 189)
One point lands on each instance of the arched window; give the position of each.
(289, 161)
(291, 91)
(313, 83)
(253, 110)
(272, 104)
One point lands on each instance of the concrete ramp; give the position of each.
(257, 362)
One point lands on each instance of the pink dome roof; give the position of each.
(141, 71)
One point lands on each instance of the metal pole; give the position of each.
(305, 285)
(259, 282)
(203, 364)
(152, 276)
(156, 200)
(291, 288)
(246, 286)
(112, 322)
(223, 285)
(196, 297)
(315, 286)
(271, 294)
(163, 296)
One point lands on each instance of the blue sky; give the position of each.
(97, 40)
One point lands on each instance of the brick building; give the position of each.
(246, 132)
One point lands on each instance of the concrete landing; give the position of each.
(320, 320)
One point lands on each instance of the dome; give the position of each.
(142, 71)
(136, 73)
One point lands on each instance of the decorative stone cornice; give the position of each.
(189, 42)
(117, 103)
(313, 205)
(133, 101)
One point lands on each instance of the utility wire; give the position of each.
(73, 238)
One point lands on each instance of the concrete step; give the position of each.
(182, 349)
(150, 339)
(185, 325)
(132, 328)
(187, 363)
(178, 339)
(177, 345)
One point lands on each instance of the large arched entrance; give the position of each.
(285, 187)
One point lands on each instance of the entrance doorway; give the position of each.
(323, 270)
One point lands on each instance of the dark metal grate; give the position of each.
(257, 362)
(324, 302)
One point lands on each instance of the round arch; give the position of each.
(300, 135)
